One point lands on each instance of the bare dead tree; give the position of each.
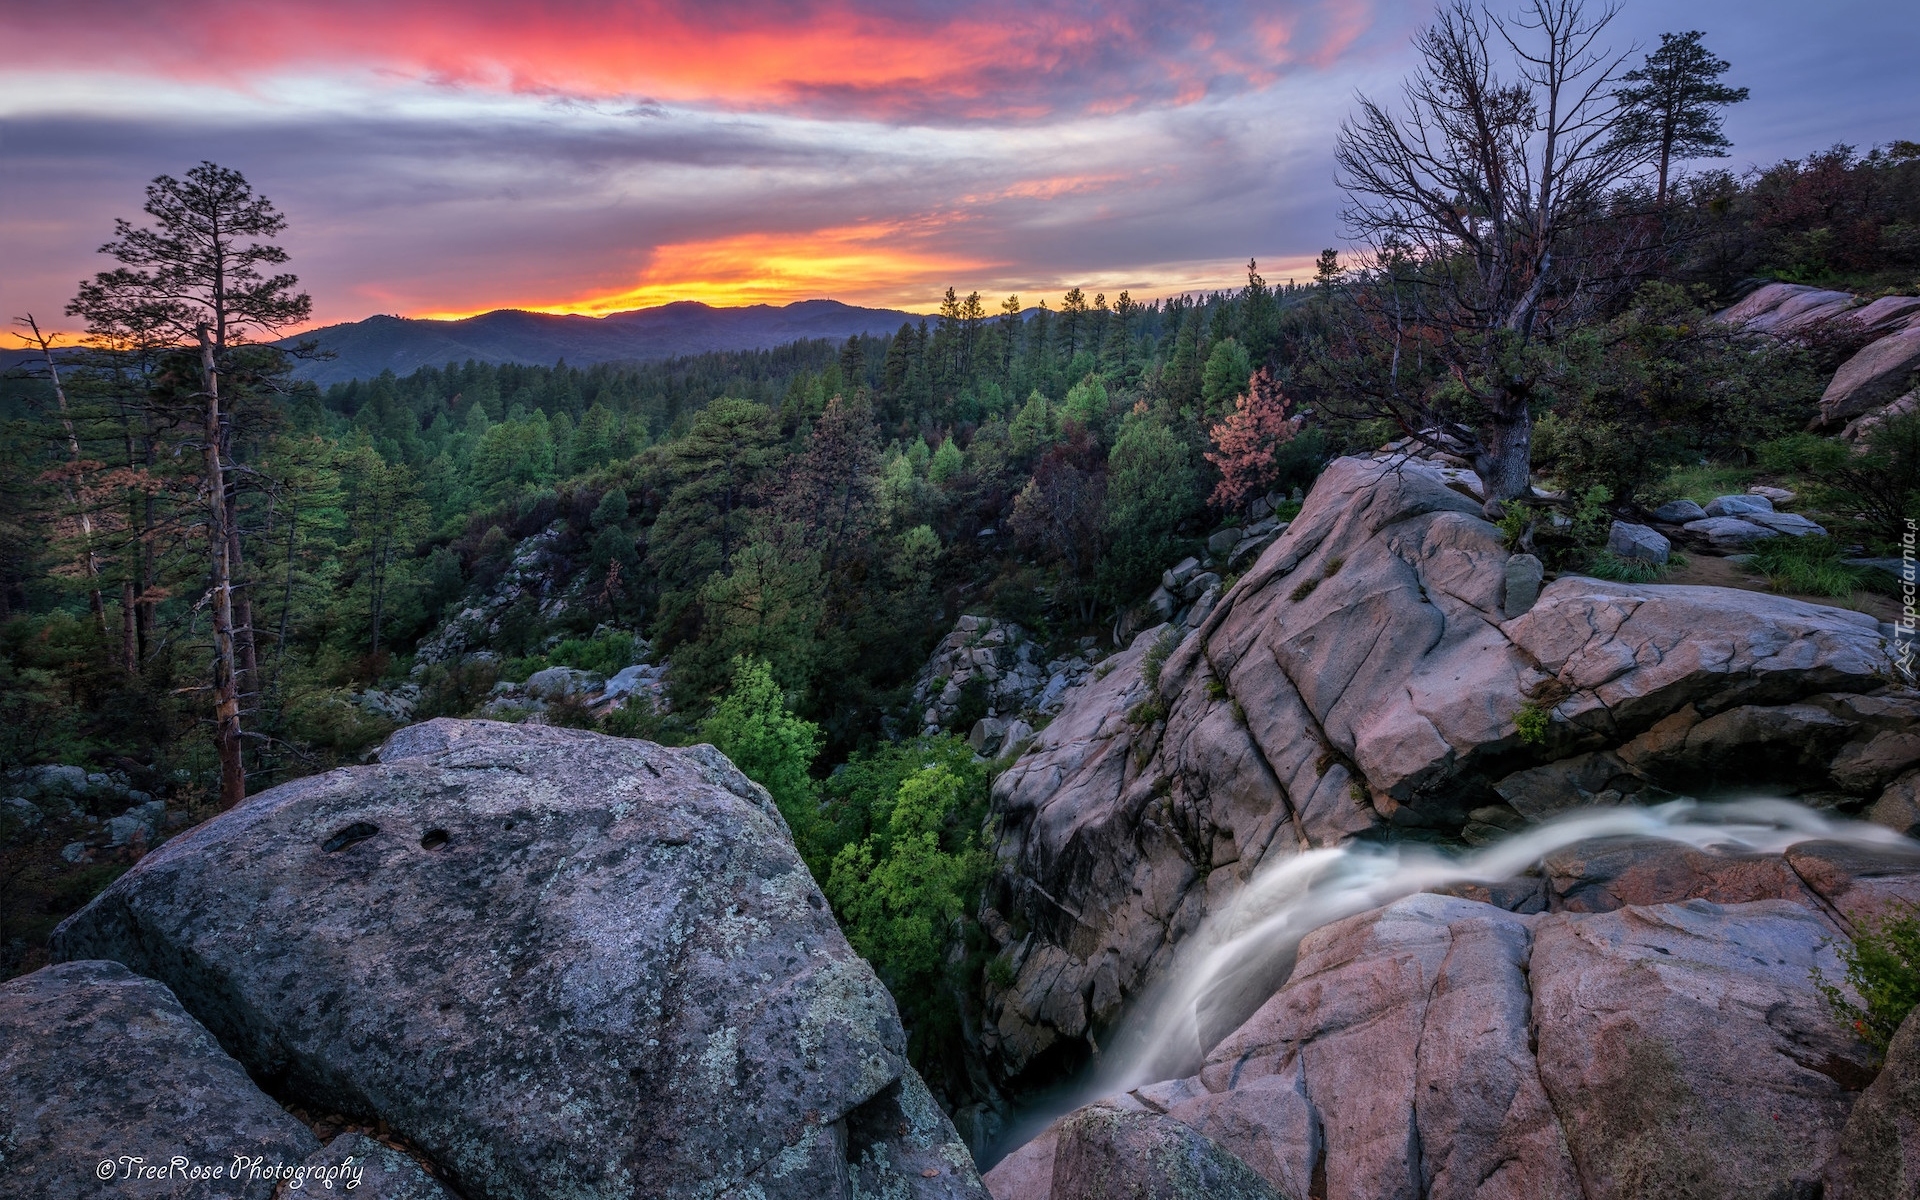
(1478, 200)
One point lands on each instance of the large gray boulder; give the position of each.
(559, 963)
(1362, 678)
(109, 1088)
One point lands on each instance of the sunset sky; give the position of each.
(445, 158)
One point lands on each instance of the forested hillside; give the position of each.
(792, 530)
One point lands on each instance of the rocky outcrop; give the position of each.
(1103, 1153)
(109, 1088)
(1442, 1048)
(1873, 378)
(1784, 308)
(1361, 679)
(999, 669)
(1879, 1153)
(558, 963)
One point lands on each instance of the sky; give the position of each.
(449, 157)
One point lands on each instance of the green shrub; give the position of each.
(605, 653)
(1807, 566)
(1304, 590)
(1532, 722)
(1156, 657)
(1605, 564)
(1000, 972)
(1883, 967)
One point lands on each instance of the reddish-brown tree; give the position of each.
(1247, 443)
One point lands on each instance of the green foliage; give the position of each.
(1605, 564)
(902, 891)
(1807, 566)
(1883, 969)
(605, 653)
(1225, 376)
(1151, 488)
(1532, 723)
(1156, 656)
(612, 509)
(756, 729)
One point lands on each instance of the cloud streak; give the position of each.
(443, 158)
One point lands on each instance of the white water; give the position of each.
(1242, 952)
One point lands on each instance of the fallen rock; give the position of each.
(1729, 532)
(1792, 524)
(106, 1085)
(1524, 573)
(1638, 541)
(1679, 512)
(1872, 378)
(1738, 506)
(560, 683)
(1106, 1154)
(556, 962)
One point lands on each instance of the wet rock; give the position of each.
(99, 1067)
(1107, 1154)
(556, 962)
(1898, 807)
(1607, 874)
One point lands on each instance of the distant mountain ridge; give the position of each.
(363, 349)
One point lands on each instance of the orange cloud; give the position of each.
(995, 58)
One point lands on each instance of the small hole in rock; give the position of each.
(510, 825)
(434, 839)
(357, 832)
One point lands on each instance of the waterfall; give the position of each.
(1243, 951)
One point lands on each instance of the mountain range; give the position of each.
(363, 349)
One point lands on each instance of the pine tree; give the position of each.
(1673, 107)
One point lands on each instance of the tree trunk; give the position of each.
(129, 629)
(1505, 460)
(226, 693)
(91, 562)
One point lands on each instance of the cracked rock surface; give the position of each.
(1361, 680)
(561, 964)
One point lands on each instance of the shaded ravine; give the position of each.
(1243, 953)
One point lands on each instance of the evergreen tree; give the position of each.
(1672, 105)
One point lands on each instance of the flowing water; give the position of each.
(1243, 952)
